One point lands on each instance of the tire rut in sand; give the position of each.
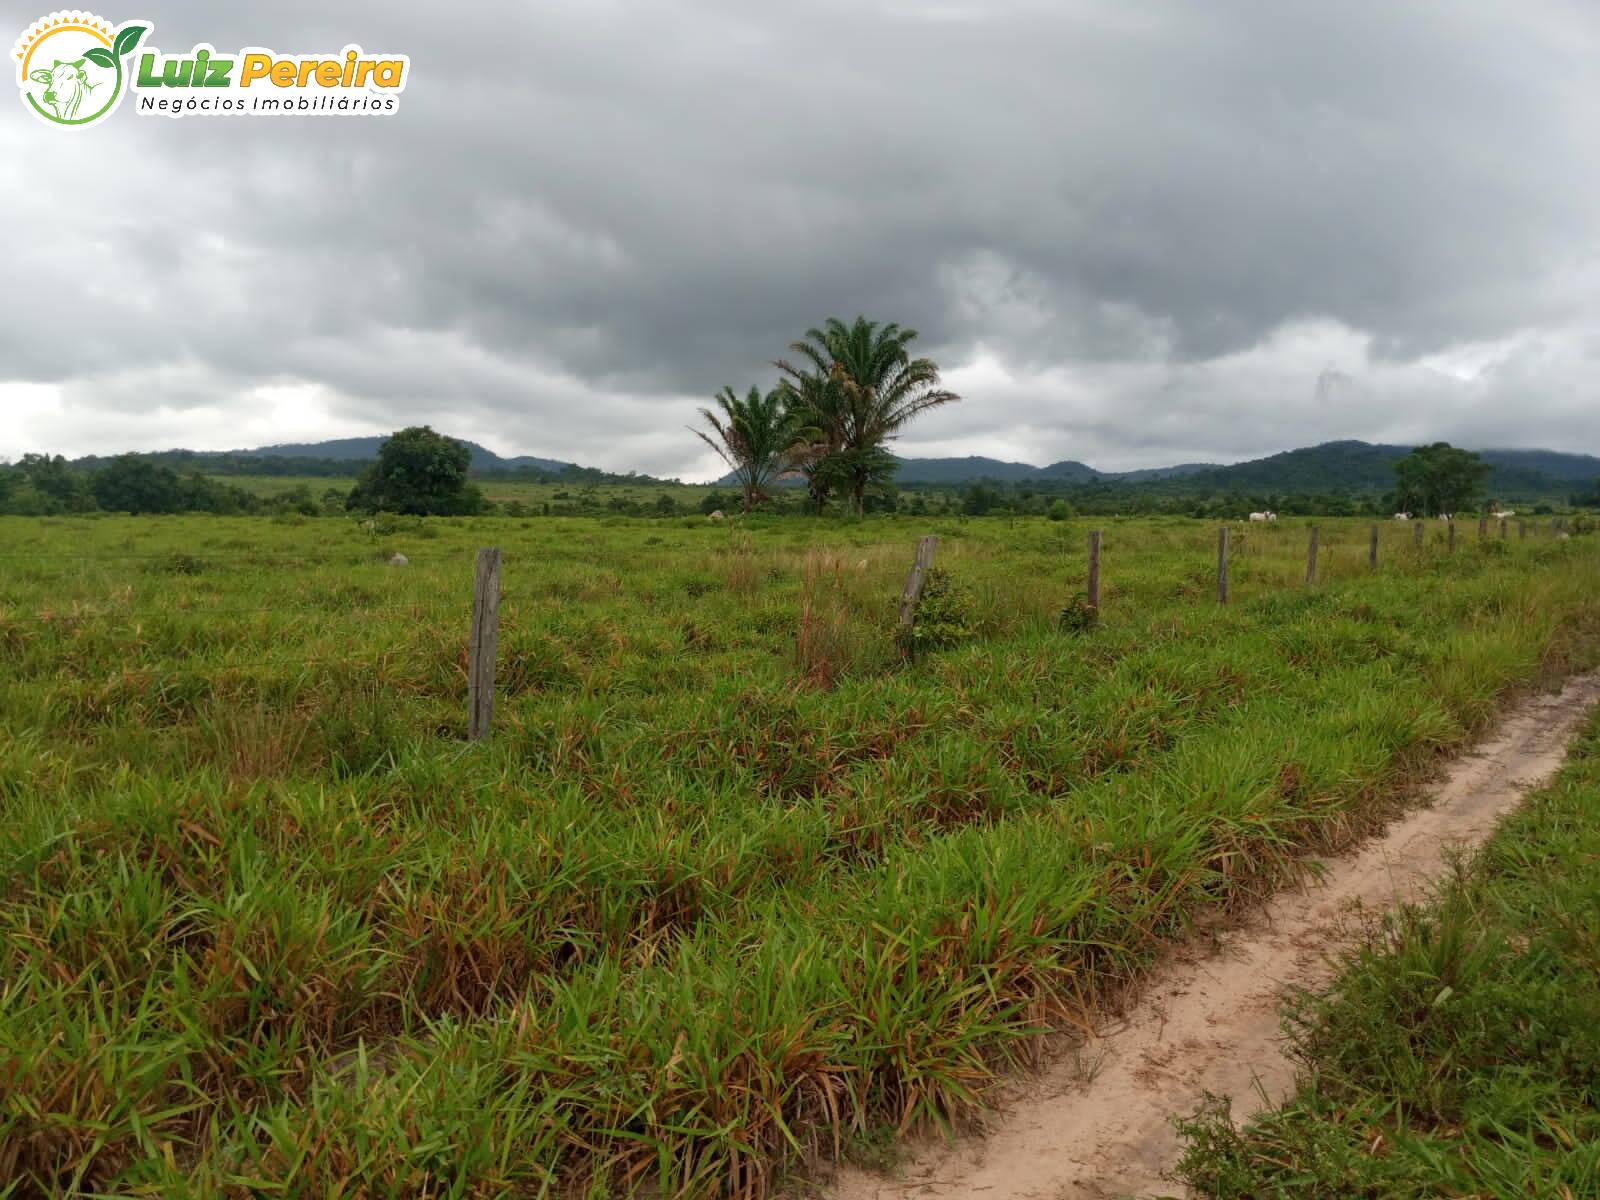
(1098, 1124)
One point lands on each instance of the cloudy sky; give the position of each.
(1132, 234)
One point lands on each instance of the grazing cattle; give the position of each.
(66, 86)
(399, 560)
(1264, 516)
(1501, 516)
(1402, 516)
(717, 517)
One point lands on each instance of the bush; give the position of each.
(944, 618)
(1079, 616)
(1060, 510)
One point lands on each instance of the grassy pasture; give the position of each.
(733, 884)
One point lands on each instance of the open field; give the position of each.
(1458, 1054)
(732, 885)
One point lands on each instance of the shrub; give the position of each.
(944, 618)
(1079, 616)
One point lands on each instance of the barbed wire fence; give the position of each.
(480, 628)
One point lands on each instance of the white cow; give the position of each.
(66, 86)
(1264, 516)
(1402, 516)
(1501, 516)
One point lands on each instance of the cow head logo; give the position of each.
(70, 66)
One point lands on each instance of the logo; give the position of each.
(74, 68)
(70, 66)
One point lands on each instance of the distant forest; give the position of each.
(1338, 478)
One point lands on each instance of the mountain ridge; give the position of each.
(361, 449)
(1347, 465)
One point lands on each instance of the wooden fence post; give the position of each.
(1419, 531)
(1372, 549)
(1222, 565)
(1452, 537)
(481, 649)
(914, 581)
(1483, 527)
(1502, 529)
(1094, 569)
(1311, 558)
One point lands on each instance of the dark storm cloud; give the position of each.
(1132, 232)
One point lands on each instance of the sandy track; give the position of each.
(1207, 1021)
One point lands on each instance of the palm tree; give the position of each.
(860, 386)
(755, 436)
(809, 399)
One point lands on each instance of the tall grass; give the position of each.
(732, 885)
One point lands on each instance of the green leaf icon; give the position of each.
(100, 57)
(128, 38)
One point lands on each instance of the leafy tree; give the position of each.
(418, 473)
(297, 499)
(714, 501)
(201, 494)
(861, 473)
(858, 386)
(1440, 478)
(756, 436)
(131, 484)
(60, 488)
(978, 500)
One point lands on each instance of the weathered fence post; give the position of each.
(1222, 565)
(481, 650)
(1418, 532)
(1483, 527)
(1094, 570)
(1452, 537)
(1311, 558)
(1502, 529)
(914, 581)
(1372, 549)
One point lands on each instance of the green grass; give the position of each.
(1459, 1054)
(275, 485)
(734, 883)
